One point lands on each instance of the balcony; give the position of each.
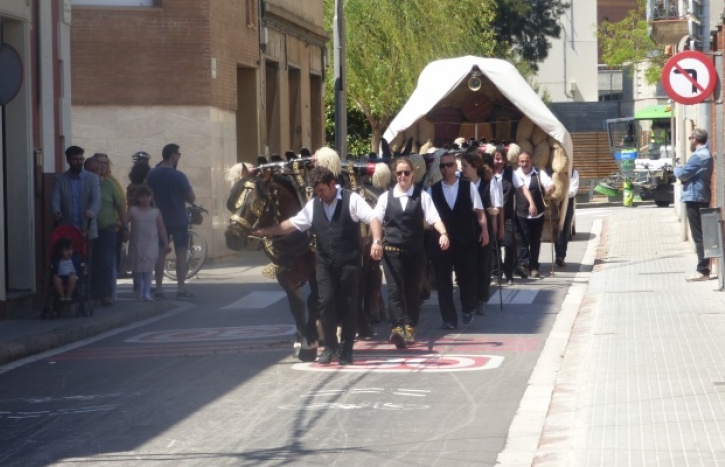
(668, 20)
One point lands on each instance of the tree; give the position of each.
(628, 42)
(523, 28)
(389, 42)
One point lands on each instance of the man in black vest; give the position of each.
(334, 215)
(460, 208)
(531, 185)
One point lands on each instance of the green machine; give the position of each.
(642, 147)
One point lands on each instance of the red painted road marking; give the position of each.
(213, 334)
(429, 363)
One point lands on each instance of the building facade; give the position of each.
(226, 80)
(34, 128)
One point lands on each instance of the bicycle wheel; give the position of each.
(196, 256)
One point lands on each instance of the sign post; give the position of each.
(689, 77)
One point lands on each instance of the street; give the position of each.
(214, 383)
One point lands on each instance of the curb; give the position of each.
(73, 332)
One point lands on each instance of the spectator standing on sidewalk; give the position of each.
(562, 242)
(399, 218)
(695, 177)
(531, 185)
(334, 215)
(506, 235)
(172, 190)
(76, 195)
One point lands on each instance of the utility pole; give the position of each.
(340, 81)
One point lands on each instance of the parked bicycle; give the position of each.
(196, 253)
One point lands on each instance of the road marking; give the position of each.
(514, 297)
(213, 334)
(387, 406)
(255, 301)
(396, 363)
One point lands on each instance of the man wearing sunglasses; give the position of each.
(461, 211)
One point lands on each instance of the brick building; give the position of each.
(227, 80)
(34, 129)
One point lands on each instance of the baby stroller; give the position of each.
(80, 302)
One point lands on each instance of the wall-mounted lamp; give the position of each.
(474, 82)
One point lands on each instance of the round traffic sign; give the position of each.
(689, 77)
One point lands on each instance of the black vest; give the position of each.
(484, 190)
(460, 221)
(404, 229)
(522, 205)
(507, 183)
(338, 240)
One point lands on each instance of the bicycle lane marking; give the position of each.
(396, 363)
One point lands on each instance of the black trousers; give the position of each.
(528, 240)
(403, 270)
(483, 272)
(562, 242)
(509, 248)
(460, 259)
(338, 287)
(693, 217)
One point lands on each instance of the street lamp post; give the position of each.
(340, 81)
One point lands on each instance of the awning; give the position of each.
(653, 112)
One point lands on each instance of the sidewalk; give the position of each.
(634, 375)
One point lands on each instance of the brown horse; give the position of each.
(262, 199)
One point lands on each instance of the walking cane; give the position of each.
(499, 271)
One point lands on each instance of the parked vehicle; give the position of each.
(642, 147)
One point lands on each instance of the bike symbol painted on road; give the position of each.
(430, 363)
(213, 334)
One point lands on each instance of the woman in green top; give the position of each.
(111, 222)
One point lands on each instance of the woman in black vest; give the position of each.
(399, 217)
(507, 235)
(531, 186)
(478, 169)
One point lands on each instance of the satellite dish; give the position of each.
(11, 73)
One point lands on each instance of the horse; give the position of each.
(262, 198)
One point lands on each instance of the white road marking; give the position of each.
(514, 297)
(255, 301)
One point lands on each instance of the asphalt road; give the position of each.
(214, 383)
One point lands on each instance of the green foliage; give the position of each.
(389, 42)
(358, 131)
(628, 42)
(523, 28)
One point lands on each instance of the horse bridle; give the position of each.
(259, 205)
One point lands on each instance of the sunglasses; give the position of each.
(447, 165)
(402, 173)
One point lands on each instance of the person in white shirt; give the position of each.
(478, 169)
(398, 221)
(334, 215)
(531, 186)
(562, 241)
(461, 210)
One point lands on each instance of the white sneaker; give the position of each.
(697, 277)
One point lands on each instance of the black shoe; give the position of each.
(522, 271)
(467, 318)
(327, 356)
(346, 357)
(448, 326)
(397, 337)
(560, 261)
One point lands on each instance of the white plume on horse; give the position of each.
(328, 158)
(513, 153)
(382, 176)
(490, 148)
(418, 167)
(236, 172)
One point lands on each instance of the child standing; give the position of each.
(65, 266)
(147, 233)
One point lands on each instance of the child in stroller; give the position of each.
(65, 266)
(69, 279)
